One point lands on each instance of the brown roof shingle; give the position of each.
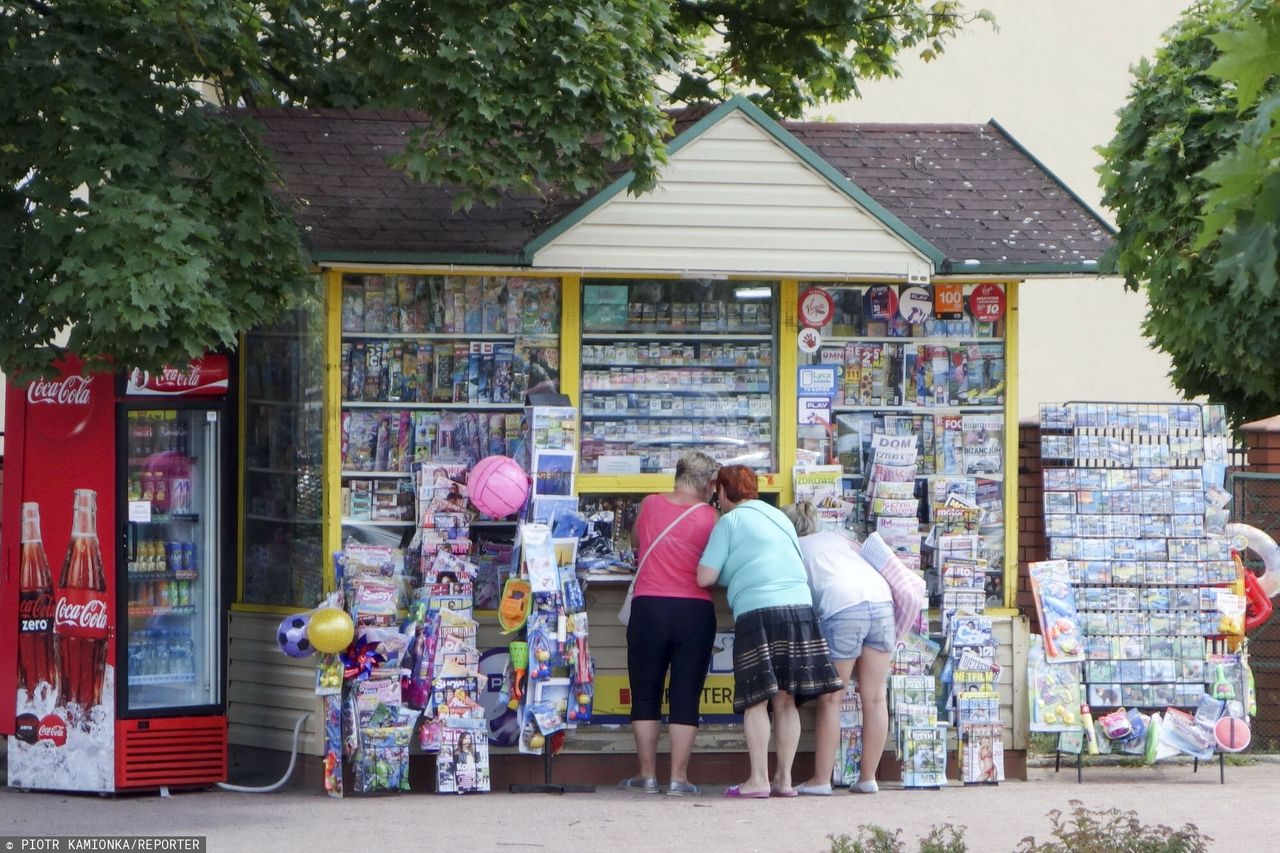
(969, 190)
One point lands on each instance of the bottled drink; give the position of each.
(36, 660)
(81, 618)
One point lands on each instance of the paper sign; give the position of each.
(948, 301)
(880, 302)
(816, 307)
(140, 511)
(986, 303)
(915, 304)
(813, 410)
(618, 465)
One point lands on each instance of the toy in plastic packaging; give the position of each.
(1116, 725)
(333, 745)
(547, 716)
(1181, 733)
(539, 557)
(1056, 605)
(1054, 693)
(517, 596)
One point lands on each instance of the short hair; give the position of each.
(739, 483)
(695, 470)
(803, 516)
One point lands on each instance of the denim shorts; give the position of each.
(867, 624)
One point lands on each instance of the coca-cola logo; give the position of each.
(53, 729)
(207, 375)
(35, 606)
(67, 391)
(81, 613)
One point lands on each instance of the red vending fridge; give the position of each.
(116, 536)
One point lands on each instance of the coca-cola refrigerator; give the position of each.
(113, 675)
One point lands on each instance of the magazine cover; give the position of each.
(924, 757)
(981, 753)
(462, 765)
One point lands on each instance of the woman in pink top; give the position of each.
(673, 622)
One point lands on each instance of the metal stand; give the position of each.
(1195, 766)
(549, 787)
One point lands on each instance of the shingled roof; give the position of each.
(971, 191)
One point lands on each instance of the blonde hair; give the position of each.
(803, 516)
(695, 470)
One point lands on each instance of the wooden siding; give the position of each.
(266, 690)
(735, 200)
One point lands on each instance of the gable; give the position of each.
(735, 197)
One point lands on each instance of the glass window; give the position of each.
(676, 365)
(283, 460)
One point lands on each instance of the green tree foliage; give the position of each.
(1193, 176)
(145, 221)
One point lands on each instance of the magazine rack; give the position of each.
(548, 786)
(1195, 767)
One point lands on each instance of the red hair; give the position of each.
(739, 483)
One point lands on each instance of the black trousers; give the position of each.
(669, 634)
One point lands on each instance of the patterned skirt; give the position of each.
(780, 649)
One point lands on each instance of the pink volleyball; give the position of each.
(497, 486)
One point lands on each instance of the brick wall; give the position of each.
(1263, 441)
(1031, 542)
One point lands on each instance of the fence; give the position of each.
(1256, 501)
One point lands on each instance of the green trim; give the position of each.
(320, 256)
(1052, 176)
(784, 137)
(1028, 268)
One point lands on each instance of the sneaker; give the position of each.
(864, 787)
(638, 785)
(683, 789)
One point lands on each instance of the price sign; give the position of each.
(880, 302)
(948, 301)
(816, 307)
(986, 303)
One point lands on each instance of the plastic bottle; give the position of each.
(1090, 733)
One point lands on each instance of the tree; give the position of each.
(1193, 176)
(146, 222)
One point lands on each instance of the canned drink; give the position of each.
(175, 598)
(188, 556)
(172, 556)
(161, 594)
(186, 593)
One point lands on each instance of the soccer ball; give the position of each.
(292, 636)
(498, 486)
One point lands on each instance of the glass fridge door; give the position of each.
(173, 554)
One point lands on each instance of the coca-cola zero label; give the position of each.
(81, 613)
(27, 726)
(35, 611)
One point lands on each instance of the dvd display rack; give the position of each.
(1134, 505)
(435, 367)
(675, 365)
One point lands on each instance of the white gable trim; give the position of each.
(736, 200)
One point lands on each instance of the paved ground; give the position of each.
(1237, 816)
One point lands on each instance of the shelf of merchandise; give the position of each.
(278, 520)
(477, 407)
(921, 339)
(275, 472)
(364, 522)
(143, 680)
(676, 335)
(163, 576)
(161, 610)
(922, 410)
(432, 336)
(377, 475)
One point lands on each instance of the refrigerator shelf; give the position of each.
(161, 679)
(148, 610)
(175, 516)
(164, 576)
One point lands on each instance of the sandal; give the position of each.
(639, 785)
(683, 789)
(735, 792)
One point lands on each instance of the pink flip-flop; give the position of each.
(735, 792)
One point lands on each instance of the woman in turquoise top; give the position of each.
(779, 654)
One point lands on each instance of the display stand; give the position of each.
(547, 786)
(1195, 767)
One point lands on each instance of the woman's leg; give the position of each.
(646, 735)
(690, 656)
(786, 726)
(873, 672)
(755, 722)
(826, 728)
(647, 661)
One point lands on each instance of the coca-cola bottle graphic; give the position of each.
(36, 661)
(81, 614)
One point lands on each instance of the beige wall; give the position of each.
(1053, 76)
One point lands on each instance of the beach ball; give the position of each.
(331, 630)
(497, 486)
(292, 636)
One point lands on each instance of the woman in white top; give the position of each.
(855, 607)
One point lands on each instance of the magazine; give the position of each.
(980, 749)
(924, 757)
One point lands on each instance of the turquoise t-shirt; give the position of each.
(755, 548)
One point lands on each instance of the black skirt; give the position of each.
(780, 649)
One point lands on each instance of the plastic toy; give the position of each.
(331, 630)
(1115, 725)
(498, 486)
(1232, 734)
(1090, 736)
(1222, 687)
(519, 652)
(292, 637)
(513, 612)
